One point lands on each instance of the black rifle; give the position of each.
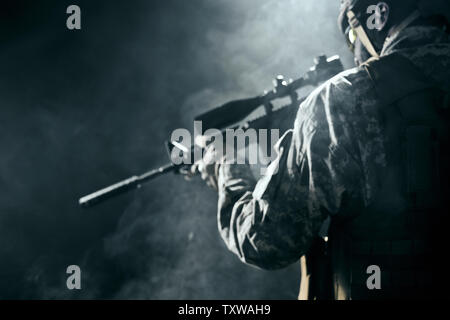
(235, 114)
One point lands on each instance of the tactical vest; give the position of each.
(402, 234)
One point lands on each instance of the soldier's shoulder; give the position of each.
(343, 92)
(350, 81)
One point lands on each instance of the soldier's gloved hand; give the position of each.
(208, 167)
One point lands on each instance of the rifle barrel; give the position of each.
(124, 186)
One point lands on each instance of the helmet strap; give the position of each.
(361, 33)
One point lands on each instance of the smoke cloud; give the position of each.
(83, 109)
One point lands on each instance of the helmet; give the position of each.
(434, 8)
(426, 8)
(354, 13)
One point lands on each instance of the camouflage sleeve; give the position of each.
(269, 224)
(325, 166)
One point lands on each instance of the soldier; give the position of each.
(360, 182)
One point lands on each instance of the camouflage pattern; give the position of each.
(331, 158)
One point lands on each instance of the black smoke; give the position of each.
(82, 109)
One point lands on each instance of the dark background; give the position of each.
(82, 109)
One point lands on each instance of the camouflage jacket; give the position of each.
(333, 154)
